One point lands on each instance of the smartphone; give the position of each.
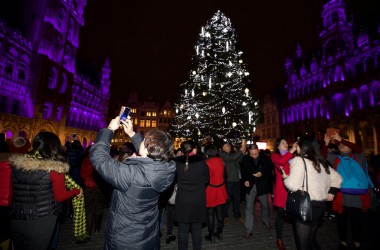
(124, 113)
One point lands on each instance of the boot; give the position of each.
(280, 245)
(210, 237)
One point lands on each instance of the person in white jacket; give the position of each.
(323, 183)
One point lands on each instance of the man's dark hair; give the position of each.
(211, 150)
(159, 145)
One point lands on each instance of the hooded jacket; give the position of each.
(133, 219)
(33, 195)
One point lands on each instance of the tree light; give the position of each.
(234, 124)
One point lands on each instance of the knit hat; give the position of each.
(19, 145)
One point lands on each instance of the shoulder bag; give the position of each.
(298, 203)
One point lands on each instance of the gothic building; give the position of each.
(40, 88)
(336, 86)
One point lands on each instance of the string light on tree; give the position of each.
(220, 105)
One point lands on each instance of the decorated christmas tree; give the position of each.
(216, 100)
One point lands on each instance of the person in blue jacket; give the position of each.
(133, 217)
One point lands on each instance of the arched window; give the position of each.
(337, 106)
(9, 61)
(354, 100)
(23, 65)
(364, 97)
(63, 87)
(52, 78)
(375, 89)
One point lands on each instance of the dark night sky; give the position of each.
(150, 43)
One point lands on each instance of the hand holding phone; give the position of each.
(124, 113)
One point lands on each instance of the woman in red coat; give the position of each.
(280, 159)
(216, 194)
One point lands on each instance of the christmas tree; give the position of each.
(216, 101)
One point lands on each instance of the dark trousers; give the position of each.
(279, 223)
(94, 202)
(305, 233)
(213, 212)
(183, 234)
(5, 224)
(169, 218)
(351, 217)
(233, 192)
(33, 234)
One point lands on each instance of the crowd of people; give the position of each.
(147, 184)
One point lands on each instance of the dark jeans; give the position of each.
(33, 234)
(169, 218)
(213, 212)
(94, 202)
(305, 233)
(351, 215)
(279, 223)
(233, 192)
(196, 234)
(5, 224)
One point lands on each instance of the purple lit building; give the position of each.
(40, 88)
(336, 86)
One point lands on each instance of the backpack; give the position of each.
(355, 179)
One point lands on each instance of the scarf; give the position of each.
(80, 230)
(283, 152)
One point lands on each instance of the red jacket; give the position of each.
(280, 193)
(216, 193)
(86, 173)
(5, 183)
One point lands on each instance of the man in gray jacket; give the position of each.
(133, 219)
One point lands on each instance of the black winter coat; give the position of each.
(190, 203)
(133, 219)
(264, 165)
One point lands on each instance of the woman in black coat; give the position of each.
(190, 204)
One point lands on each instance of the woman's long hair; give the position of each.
(48, 146)
(187, 147)
(310, 150)
(277, 143)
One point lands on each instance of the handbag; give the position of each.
(298, 203)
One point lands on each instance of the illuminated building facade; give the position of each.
(338, 85)
(269, 128)
(146, 115)
(40, 88)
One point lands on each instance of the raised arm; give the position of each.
(114, 172)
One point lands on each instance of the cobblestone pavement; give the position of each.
(262, 239)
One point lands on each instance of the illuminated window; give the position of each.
(142, 123)
(154, 124)
(147, 123)
(134, 111)
(154, 114)
(148, 114)
(47, 111)
(136, 121)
